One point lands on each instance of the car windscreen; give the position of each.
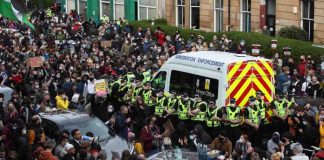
(93, 125)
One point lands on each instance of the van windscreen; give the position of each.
(183, 82)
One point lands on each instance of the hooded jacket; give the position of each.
(202, 136)
(272, 144)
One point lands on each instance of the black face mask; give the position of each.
(221, 138)
(48, 101)
(91, 79)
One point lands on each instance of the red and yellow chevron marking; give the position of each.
(245, 78)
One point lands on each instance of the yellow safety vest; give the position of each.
(211, 123)
(147, 97)
(201, 115)
(233, 115)
(159, 108)
(115, 82)
(121, 90)
(254, 115)
(183, 110)
(135, 93)
(171, 102)
(147, 76)
(130, 77)
(280, 108)
(261, 108)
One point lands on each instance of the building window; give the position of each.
(104, 8)
(147, 9)
(119, 9)
(180, 13)
(246, 15)
(308, 18)
(194, 14)
(218, 15)
(82, 9)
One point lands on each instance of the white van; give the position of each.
(217, 76)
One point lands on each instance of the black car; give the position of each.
(56, 122)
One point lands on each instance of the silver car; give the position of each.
(56, 122)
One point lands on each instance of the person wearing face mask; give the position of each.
(222, 144)
(160, 102)
(284, 81)
(243, 148)
(280, 112)
(232, 118)
(62, 101)
(213, 119)
(183, 106)
(127, 48)
(170, 108)
(273, 144)
(252, 120)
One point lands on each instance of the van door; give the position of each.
(245, 78)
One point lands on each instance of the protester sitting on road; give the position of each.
(222, 144)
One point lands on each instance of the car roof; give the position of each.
(65, 117)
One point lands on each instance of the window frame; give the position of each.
(221, 10)
(308, 18)
(100, 6)
(191, 89)
(147, 7)
(182, 5)
(244, 12)
(191, 6)
(78, 5)
(114, 8)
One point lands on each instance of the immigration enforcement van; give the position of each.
(217, 76)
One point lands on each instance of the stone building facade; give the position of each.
(248, 15)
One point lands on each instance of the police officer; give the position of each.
(183, 106)
(114, 90)
(280, 112)
(252, 120)
(170, 109)
(147, 97)
(198, 111)
(265, 111)
(160, 103)
(105, 19)
(123, 92)
(213, 119)
(130, 77)
(233, 119)
(137, 89)
(146, 74)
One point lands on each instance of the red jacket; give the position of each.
(147, 138)
(302, 68)
(160, 36)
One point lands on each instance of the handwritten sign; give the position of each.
(274, 43)
(101, 87)
(105, 44)
(35, 62)
(287, 50)
(255, 49)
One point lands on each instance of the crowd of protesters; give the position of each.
(74, 58)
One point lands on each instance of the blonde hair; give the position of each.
(276, 156)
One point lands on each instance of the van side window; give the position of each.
(159, 80)
(191, 84)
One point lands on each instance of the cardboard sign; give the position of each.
(255, 49)
(274, 44)
(35, 62)
(105, 44)
(287, 50)
(101, 87)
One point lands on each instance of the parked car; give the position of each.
(56, 122)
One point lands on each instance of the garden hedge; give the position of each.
(297, 47)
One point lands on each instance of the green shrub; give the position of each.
(293, 32)
(297, 47)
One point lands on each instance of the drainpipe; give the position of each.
(229, 15)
